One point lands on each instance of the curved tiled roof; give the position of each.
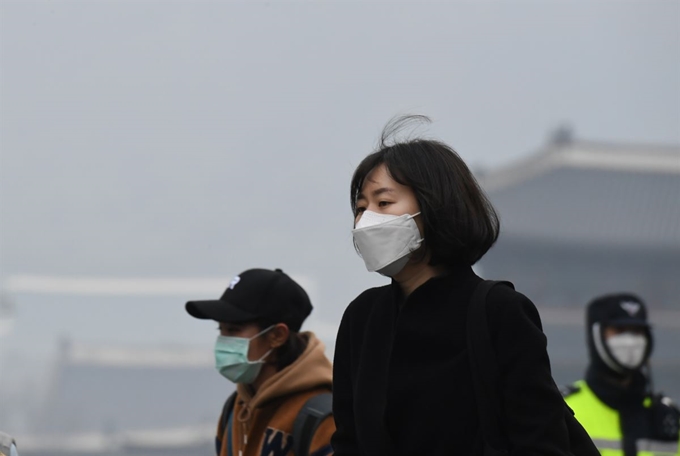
(588, 193)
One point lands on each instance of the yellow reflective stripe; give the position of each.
(607, 444)
(657, 446)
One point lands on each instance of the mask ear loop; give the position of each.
(422, 236)
(261, 332)
(261, 360)
(266, 354)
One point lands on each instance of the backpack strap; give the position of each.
(224, 419)
(484, 369)
(316, 409)
(226, 410)
(485, 376)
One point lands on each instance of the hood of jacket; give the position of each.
(311, 370)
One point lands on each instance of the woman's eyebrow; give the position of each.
(382, 190)
(376, 193)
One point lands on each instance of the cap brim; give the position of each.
(218, 310)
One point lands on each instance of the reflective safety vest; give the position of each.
(603, 425)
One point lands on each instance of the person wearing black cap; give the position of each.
(615, 403)
(278, 371)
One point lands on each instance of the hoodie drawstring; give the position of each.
(243, 417)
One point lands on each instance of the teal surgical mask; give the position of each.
(231, 358)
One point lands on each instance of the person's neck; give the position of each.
(268, 371)
(623, 383)
(414, 275)
(614, 389)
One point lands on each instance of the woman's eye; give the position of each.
(359, 210)
(383, 203)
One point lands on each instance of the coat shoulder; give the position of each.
(569, 390)
(366, 300)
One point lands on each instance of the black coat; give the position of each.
(402, 383)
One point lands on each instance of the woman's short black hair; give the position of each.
(460, 223)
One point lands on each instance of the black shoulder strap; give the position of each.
(484, 369)
(226, 410)
(316, 409)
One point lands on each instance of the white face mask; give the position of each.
(385, 241)
(628, 349)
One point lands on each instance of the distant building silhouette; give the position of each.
(583, 218)
(129, 400)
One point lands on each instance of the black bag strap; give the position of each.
(224, 420)
(316, 409)
(226, 410)
(484, 369)
(485, 377)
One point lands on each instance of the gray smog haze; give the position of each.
(184, 142)
(196, 139)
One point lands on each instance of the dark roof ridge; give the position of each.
(660, 159)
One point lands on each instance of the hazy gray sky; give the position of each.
(203, 138)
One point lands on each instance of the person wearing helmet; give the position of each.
(615, 403)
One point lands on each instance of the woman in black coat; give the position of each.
(402, 382)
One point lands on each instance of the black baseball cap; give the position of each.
(257, 294)
(620, 309)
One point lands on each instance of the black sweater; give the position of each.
(402, 382)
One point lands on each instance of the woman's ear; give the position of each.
(278, 335)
